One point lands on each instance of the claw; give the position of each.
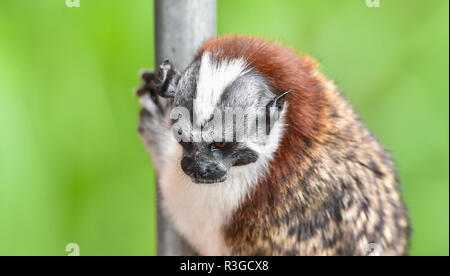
(164, 84)
(148, 76)
(147, 86)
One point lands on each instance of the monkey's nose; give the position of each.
(203, 171)
(210, 171)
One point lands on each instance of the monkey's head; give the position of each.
(225, 116)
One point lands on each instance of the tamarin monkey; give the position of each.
(319, 183)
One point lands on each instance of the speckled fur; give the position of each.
(342, 196)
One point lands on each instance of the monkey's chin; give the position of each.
(208, 181)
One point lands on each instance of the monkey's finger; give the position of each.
(148, 84)
(148, 76)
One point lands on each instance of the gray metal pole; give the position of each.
(181, 27)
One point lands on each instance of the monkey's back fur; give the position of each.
(331, 187)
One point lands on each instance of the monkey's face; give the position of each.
(213, 147)
(220, 117)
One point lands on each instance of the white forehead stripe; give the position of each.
(214, 77)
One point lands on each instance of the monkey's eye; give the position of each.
(220, 145)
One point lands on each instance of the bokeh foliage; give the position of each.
(72, 168)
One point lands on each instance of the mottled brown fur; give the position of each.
(331, 188)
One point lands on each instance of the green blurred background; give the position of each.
(72, 168)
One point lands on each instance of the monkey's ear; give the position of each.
(167, 80)
(278, 101)
(273, 110)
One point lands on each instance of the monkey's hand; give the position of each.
(154, 116)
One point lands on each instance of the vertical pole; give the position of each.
(181, 27)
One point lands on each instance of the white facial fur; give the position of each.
(214, 77)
